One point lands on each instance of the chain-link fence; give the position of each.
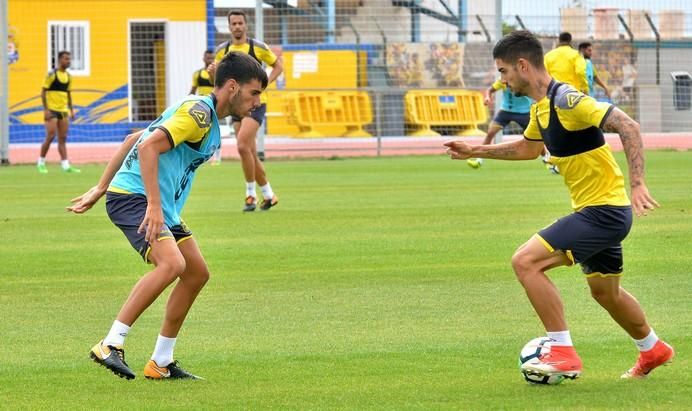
(349, 65)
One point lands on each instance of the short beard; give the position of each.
(523, 85)
(233, 102)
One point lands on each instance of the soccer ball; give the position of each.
(533, 349)
(474, 162)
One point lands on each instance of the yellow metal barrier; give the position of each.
(312, 111)
(445, 108)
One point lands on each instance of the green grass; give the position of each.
(375, 284)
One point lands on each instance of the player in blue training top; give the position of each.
(569, 123)
(146, 184)
(514, 109)
(586, 50)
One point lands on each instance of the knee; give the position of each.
(174, 266)
(202, 276)
(244, 147)
(605, 297)
(522, 264)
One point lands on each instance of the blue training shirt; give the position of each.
(589, 75)
(192, 128)
(511, 102)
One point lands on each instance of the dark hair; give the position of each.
(240, 67)
(208, 51)
(565, 37)
(62, 53)
(585, 45)
(519, 44)
(236, 13)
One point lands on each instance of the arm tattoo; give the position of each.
(514, 150)
(628, 129)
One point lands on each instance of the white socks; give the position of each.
(163, 352)
(41, 161)
(561, 338)
(267, 192)
(646, 343)
(250, 189)
(116, 336)
(65, 164)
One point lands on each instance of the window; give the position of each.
(72, 36)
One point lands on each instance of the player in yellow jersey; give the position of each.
(566, 65)
(569, 123)
(203, 85)
(246, 128)
(57, 112)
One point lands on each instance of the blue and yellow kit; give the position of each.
(510, 101)
(192, 128)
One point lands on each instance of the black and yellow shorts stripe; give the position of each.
(127, 212)
(591, 237)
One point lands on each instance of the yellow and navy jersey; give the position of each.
(190, 123)
(566, 65)
(202, 82)
(568, 122)
(255, 48)
(57, 84)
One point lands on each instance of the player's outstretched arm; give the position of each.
(523, 149)
(628, 129)
(83, 203)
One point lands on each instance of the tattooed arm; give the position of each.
(628, 129)
(522, 149)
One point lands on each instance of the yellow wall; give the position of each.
(108, 34)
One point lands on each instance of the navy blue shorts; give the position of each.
(591, 237)
(503, 118)
(127, 212)
(57, 114)
(257, 114)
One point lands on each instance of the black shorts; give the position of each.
(591, 237)
(57, 114)
(258, 114)
(503, 118)
(127, 212)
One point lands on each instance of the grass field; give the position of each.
(375, 284)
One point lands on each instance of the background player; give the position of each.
(246, 127)
(514, 109)
(566, 65)
(202, 85)
(586, 50)
(56, 97)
